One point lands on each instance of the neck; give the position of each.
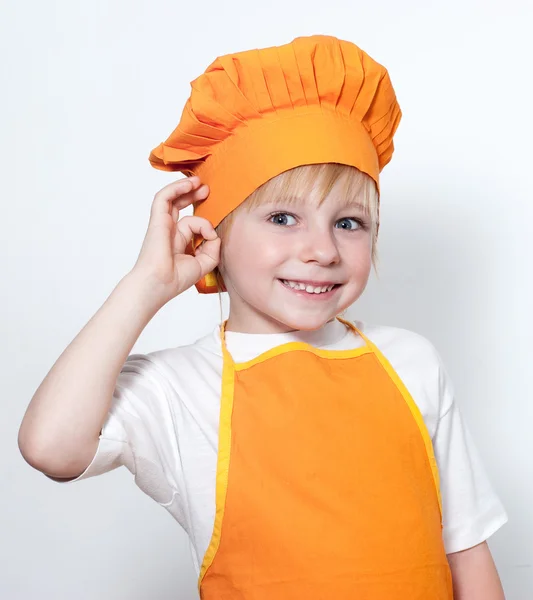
(266, 326)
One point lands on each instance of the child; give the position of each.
(305, 456)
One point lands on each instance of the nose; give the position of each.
(318, 245)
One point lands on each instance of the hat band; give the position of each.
(266, 147)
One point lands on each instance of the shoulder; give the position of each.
(155, 384)
(172, 367)
(418, 364)
(204, 350)
(402, 346)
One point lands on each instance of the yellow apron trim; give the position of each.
(226, 410)
(413, 407)
(224, 441)
(291, 346)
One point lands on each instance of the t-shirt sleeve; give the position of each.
(472, 510)
(137, 432)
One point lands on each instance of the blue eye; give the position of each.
(280, 218)
(344, 224)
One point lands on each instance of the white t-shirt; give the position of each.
(163, 426)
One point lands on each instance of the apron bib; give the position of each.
(327, 486)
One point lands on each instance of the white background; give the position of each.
(89, 88)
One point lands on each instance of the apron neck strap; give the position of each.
(357, 331)
(225, 352)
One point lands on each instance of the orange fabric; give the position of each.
(257, 113)
(325, 486)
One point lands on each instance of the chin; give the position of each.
(303, 322)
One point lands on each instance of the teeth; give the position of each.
(309, 288)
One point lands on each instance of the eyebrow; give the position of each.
(346, 202)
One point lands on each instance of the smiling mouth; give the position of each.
(309, 288)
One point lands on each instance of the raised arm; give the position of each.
(59, 433)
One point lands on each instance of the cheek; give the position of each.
(358, 256)
(241, 256)
(259, 250)
(274, 250)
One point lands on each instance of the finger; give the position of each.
(189, 226)
(208, 255)
(195, 195)
(171, 192)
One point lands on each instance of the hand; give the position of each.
(162, 260)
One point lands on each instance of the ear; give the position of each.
(220, 281)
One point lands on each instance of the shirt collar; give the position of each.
(245, 346)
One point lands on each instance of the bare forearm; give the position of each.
(63, 420)
(474, 575)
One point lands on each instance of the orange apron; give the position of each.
(327, 486)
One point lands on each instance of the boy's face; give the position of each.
(277, 246)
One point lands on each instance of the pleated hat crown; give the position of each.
(255, 114)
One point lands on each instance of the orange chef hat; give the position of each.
(255, 114)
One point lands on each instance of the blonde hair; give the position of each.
(302, 181)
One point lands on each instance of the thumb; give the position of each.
(208, 255)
